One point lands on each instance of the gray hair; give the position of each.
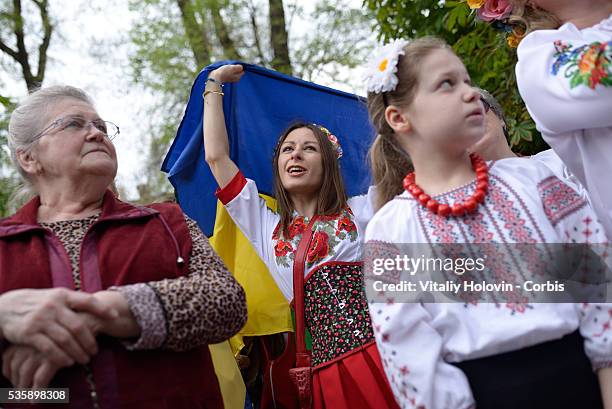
(27, 120)
(494, 104)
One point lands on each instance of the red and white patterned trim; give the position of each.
(559, 200)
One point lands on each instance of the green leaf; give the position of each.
(451, 4)
(456, 15)
(5, 101)
(606, 81)
(576, 80)
(463, 14)
(487, 58)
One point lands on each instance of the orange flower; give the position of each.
(475, 4)
(588, 62)
(513, 40)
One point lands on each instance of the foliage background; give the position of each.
(159, 54)
(488, 58)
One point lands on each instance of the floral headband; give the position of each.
(380, 75)
(496, 13)
(332, 139)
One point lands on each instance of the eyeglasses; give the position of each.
(487, 106)
(78, 124)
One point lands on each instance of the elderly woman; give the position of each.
(115, 301)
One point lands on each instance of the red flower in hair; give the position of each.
(319, 248)
(282, 248)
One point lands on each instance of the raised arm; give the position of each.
(216, 145)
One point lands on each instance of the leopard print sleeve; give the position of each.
(205, 307)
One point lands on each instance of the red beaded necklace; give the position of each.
(469, 205)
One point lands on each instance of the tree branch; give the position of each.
(42, 49)
(22, 53)
(253, 15)
(279, 37)
(8, 50)
(195, 34)
(229, 49)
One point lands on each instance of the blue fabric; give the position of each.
(258, 109)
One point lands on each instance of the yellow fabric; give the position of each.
(267, 307)
(230, 380)
(236, 343)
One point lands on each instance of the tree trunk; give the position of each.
(44, 45)
(279, 37)
(195, 34)
(229, 49)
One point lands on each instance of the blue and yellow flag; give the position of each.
(258, 109)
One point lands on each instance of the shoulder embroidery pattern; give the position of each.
(589, 65)
(559, 199)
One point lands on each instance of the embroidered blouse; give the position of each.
(550, 158)
(335, 238)
(565, 79)
(526, 203)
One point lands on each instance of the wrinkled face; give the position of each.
(300, 163)
(76, 147)
(493, 137)
(446, 112)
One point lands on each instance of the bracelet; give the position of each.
(212, 92)
(219, 83)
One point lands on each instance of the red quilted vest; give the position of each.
(127, 244)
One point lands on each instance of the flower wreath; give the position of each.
(497, 13)
(332, 139)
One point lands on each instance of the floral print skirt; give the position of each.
(348, 371)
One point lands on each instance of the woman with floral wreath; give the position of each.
(312, 248)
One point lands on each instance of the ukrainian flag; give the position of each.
(257, 110)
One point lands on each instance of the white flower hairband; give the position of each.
(381, 69)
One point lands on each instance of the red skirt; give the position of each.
(355, 380)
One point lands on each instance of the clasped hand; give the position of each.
(49, 329)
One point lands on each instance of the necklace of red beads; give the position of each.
(469, 205)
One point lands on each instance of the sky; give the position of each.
(71, 62)
(86, 25)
